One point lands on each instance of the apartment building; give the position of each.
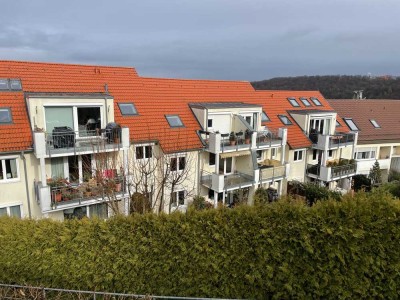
(80, 140)
(377, 124)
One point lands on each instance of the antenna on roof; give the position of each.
(106, 88)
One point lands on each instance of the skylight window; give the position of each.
(15, 84)
(293, 102)
(174, 121)
(375, 124)
(5, 115)
(316, 101)
(351, 124)
(305, 101)
(285, 120)
(127, 109)
(3, 84)
(10, 84)
(264, 117)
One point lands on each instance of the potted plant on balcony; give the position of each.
(55, 189)
(247, 136)
(232, 139)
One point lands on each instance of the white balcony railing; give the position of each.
(221, 182)
(321, 141)
(77, 142)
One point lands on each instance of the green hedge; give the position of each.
(346, 249)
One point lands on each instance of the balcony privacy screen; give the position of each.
(57, 117)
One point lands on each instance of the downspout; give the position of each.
(26, 185)
(198, 172)
(106, 102)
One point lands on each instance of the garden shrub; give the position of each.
(334, 249)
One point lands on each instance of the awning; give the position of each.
(235, 153)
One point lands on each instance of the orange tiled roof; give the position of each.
(384, 112)
(153, 97)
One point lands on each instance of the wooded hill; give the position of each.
(338, 86)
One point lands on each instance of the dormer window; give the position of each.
(305, 101)
(293, 102)
(374, 123)
(264, 117)
(316, 101)
(285, 120)
(174, 121)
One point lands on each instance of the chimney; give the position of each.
(358, 94)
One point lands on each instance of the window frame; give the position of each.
(8, 210)
(4, 171)
(128, 114)
(285, 116)
(9, 86)
(298, 155)
(347, 120)
(293, 101)
(177, 201)
(174, 126)
(316, 101)
(210, 160)
(305, 102)
(374, 123)
(10, 114)
(177, 165)
(144, 150)
(266, 119)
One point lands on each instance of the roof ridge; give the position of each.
(65, 64)
(192, 79)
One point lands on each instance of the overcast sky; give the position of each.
(215, 39)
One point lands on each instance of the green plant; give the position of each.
(200, 203)
(375, 174)
(260, 196)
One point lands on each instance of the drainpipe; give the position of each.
(198, 171)
(105, 99)
(26, 185)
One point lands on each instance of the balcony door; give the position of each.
(319, 126)
(58, 116)
(226, 166)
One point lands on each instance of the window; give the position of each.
(5, 115)
(264, 117)
(298, 155)
(178, 163)
(9, 170)
(259, 154)
(127, 109)
(99, 211)
(174, 121)
(15, 84)
(7, 84)
(144, 152)
(314, 154)
(366, 154)
(351, 124)
(273, 152)
(293, 102)
(316, 101)
(209, 123)
(330, 153)
(178, 198)
(211, 159)
(285, 120)
(305, 101)
(338, 124)
(11, 211)
(375, 124)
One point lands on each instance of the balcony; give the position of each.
(220, 183)
(66, 143)
(321, 141)
(331, 173)
(271, 169)
(65, 195)
(216, 142)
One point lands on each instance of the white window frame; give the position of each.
(368, 155)
(261, 158)
(5, 179)
(177, 157)
(351, 124)
(296, 154)
(144, 151)
(375, 123)
(8, 208)
(274, 152)
(316, 155)
(176, 193)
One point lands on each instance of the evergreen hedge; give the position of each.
(346, 249)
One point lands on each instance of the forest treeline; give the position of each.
(337, 86)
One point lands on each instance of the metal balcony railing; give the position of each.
(268, 137)
(313, 169)
(344, 170)
(270, 172)
(237, 179)
(341, 139)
